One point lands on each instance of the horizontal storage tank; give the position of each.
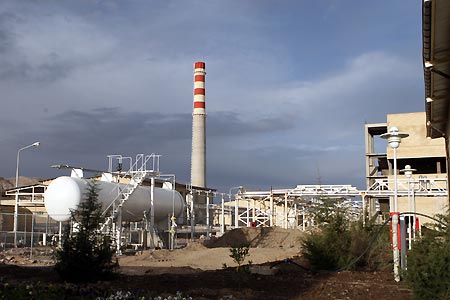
(65, 193)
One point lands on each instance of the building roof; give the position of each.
(436, 64)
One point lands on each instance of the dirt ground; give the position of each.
(197, 270)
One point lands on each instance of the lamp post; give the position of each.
(394, 138)
(408, 171)
(16, 205)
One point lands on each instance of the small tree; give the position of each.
(238, 254)
(86, 254)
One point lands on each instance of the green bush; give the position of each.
(238, 254)
(429, 263)
(326, 248)
(86, 254)
(341, 244)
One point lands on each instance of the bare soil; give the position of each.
(278, 271)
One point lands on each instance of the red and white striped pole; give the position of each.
(198, 158)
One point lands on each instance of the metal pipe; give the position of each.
(395, 181)
(207, 217)
(152, 213)
(222, 223)
(248, 213)
(236, 213)
(285, 211)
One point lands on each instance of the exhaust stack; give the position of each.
(198, 158)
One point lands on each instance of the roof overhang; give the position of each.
(436, 65)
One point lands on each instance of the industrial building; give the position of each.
(426, 190)
(436, 67)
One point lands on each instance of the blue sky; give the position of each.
(289, 84)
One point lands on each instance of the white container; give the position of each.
(65, 193)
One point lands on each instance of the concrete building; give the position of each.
(436, 65)
(428, 183)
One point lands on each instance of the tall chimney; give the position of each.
(198, 158)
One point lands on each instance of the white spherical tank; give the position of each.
(65, 193)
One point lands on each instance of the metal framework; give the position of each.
(32, 195)
(287, 208)
(422, 187)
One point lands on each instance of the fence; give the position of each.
(32, 230)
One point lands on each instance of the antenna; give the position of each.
(319, 178)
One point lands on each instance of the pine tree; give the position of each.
(86, 254)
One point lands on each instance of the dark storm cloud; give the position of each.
(283, 166)
(279, 108)
(222, 124)
(103, 127)
(84, 138)
(6, 36)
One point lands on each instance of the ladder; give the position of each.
(137, 173)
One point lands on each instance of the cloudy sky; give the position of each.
(289, 84)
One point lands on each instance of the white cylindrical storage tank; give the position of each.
(65, 193)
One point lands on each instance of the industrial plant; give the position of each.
(145, 208)
(318, 170)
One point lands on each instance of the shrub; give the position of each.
(341, 244)
(238, 254)
(429, 263)
(86, 254)
(326, 248)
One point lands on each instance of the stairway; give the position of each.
(155, 236)
(137, 177)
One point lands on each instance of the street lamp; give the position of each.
(16, 205)
(408, 171)
(394, 138)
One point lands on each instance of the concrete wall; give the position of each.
(416, 145)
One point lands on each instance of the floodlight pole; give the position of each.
(16, 204)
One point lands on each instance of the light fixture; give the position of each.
(428, 64)
(394, 137)
(408, 171)
(429, 99)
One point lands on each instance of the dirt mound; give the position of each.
(193, 245)
(260, 237)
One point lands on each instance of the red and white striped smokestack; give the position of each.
(198, 158)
